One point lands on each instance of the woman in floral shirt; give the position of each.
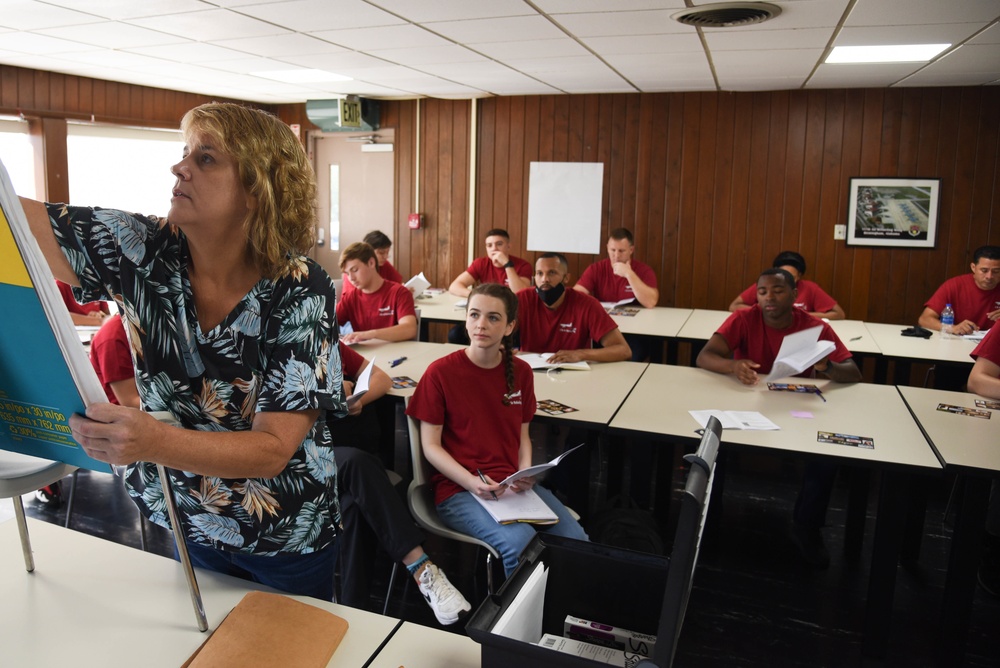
(233, 332)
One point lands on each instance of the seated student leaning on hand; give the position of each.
(811, 298)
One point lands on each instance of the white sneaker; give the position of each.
(446, 601)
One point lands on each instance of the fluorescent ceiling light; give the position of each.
(894, 53)
(301, 75)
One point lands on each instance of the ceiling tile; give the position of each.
(644, 44)
(343, 62)
(111, 35)
(314, 15)
(189, 52)
(945, 33)
(454, 10)
(747, 84)
(913, 12)
(801, 38)
(867, 75)
(291, 44)
(793, 62)
(497, 30)
(574, 6)
(537, 48)
(578, 64)
(383, 37)
(989, 36)
(129, 9)
(795, 15)
(602, 24)
(33, 43)
(209, 25)
(451, 53)
(31, 15)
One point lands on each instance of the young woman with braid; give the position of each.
(474, 407)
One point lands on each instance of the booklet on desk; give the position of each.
(798, 352)
(418, 284)
(45, 375)
(541, 361)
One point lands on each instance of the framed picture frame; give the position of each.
(893, 212)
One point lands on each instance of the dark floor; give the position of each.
(753, 604)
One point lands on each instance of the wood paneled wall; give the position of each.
(713, 185)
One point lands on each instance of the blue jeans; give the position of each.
(293, 573)
(463, 513)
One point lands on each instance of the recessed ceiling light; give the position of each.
(893, 53)
(301, 75)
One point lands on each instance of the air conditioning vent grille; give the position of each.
(727, 14)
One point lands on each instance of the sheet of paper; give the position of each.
(611, 305)
(541, 361)
(537, 468)
(976, 336)
(799, 351)
(361, 387)
(522, 620)
(418, 283)
(346, 328)
(524, 506)
(735, 419)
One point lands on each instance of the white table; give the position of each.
(92, 602)
(660, 321)
(659, 404)
(972, 446)
(418, 354)
(415, 646)
(596, 394)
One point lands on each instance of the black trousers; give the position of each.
(372, 512)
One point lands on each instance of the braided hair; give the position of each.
(509, 299)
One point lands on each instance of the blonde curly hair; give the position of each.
(276, 173)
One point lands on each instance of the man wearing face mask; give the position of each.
(566, 322)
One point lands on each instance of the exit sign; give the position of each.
(350, 113)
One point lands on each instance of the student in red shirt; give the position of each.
(378, 309)
(111, 357)
(498, 266)
(382, 245)
(566, 322)
(474, 407)
(620, 276)
(975, 299)
(746, 346)
(811, 298)
(90, 314)
(985, 381)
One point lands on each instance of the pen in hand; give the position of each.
(483, 478)
(396, 362)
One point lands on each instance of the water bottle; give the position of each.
(947, 322)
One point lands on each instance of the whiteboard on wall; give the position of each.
(564, 207)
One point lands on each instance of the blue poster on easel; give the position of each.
(45, 375)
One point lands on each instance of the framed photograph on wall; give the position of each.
(893, 212)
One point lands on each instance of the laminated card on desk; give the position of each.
(799, 351)
(537, 468)
(525, 506)
(417, 284)
(45, 375)
(751, 420)
(541, 361)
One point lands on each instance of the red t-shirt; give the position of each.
(385, 270)
(989, 347)
(810, 297)
(749, 338)
(111, 355)
(479, 430)
(967, 299)
(576, 324)
(484, 271)
(382, 308)
(601, 282)
(66, 291)
(351, 362)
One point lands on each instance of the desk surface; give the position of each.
(961, 440)
(415, 646)
(418, 354)
(935, 349)
(440, 307)
(596, 394)
(661, 321)
(660, 402)
(96, 603)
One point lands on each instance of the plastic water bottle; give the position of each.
(947, 322)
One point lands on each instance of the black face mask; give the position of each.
(552, 295)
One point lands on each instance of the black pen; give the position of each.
(856, 338)
(483, 478)
(396, 362)
(819, 393)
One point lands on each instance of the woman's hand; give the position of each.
(522, 484)
(115, 434)
(484, 489)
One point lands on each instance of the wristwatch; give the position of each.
(509, 265)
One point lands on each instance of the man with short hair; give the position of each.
(620, 276)
(377, 308)
(498, 266)
(381, 244)
(811, 297)
(975, 299)
(565, 322)
(746, 346)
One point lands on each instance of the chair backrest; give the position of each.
(421, 474)
(338, 285)
(687, 542)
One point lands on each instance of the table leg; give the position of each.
(857, 511)
(960, 584)
(892, 501)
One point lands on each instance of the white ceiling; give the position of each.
(477, 48)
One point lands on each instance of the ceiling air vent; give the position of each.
(727, 14)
